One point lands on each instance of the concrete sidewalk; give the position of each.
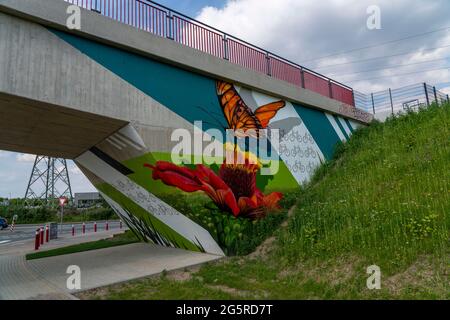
(20, 283)
(46, 278)
(114, 265)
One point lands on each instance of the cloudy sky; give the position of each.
(325, 36)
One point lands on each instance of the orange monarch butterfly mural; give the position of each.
(239, 116)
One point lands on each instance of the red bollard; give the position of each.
(84, 228)
(37, 240)
(73, 231)
(42, 236)
(95, 226)
(107, 226)
(47, 233)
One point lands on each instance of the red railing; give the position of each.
(342, 94)
(246, 56)
(285, 71)
(196, 36)
(317, 84)
(164, 22)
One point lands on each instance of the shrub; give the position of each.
(236, 236)
(44, 214)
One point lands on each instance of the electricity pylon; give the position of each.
(49, 180)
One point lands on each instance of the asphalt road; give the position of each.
(27, 231)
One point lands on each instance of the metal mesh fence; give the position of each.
(410, 97)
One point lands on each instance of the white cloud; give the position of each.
(75, 170)
(4, 154)
(445, 90)
(24, 157)
(304, 30)
(78, 180)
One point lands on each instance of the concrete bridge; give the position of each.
(110, 95)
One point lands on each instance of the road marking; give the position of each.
(5, 241)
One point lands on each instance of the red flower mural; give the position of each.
(234, 190)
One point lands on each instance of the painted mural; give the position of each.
(194, 204)
(233, 189)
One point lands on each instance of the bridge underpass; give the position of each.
(35, 127)
(110, 95)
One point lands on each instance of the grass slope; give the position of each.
(383, 200)
(118, 240)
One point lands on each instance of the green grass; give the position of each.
(383, 200)
(118, 240)
(386, 196)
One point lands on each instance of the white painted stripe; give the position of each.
(5, 241)
(131, 133)
(113, 144)
(345, 126)
(336, 127)
(127, 141)
(117, 141)
(296, 145)
(354, 124)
